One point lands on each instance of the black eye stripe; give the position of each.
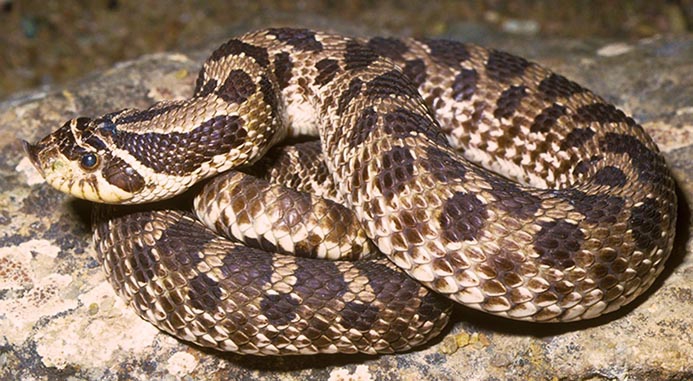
(95, 142)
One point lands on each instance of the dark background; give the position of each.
(45, 42)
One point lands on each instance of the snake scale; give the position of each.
(443, 171)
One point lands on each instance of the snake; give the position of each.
(390, 178)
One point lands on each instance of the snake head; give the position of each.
(75, 159)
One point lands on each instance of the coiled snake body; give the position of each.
(486, 178)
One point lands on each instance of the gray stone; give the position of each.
(59, 319)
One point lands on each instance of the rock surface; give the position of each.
(60, 319)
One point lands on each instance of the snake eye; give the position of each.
(89, 161)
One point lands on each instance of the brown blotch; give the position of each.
(503, 67)
(350, 93)
(327, 69)
(444, 168)
(509, 197)
(446, 52)
(463, 217)
(301, 39)
(365, 124)
(415, 70)
(268, 95)
(282, 69)
(392, 82)
(555, 86)
(359, 316)
(358, 56)
(204, 293)
(397, 170)
(401, 123)
(236, 47)
(509, 101)
(464, 85)
(547, 119)
(557, 243)
(597, 208)
(610, 176)
(389, 47)
(577, 138)
(237, 87)
(602, 113)
(650, 166)
(646, 224)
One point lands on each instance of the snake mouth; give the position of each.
(32, 152)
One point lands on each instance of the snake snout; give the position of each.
(32, 152)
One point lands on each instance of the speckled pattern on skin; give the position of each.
(450, 234)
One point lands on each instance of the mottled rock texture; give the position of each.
(59, 318)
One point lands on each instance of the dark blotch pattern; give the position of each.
(204, 293)
(245, 267)
(317, 284)
(610, 176)
(365, 124)
(396, 290)
(268, 95)
(597, 208)
(463, 217)
(236, 47)
(359, 316)
(390, 83)
(327, 69)
(401, 123)
(358, 56)
(509, 101)
(351, 92)
(583, 166)
(446, 52)
(557, 243)
(646, 223)
(577, 138)
(555, 86)
(180, 249)
(237, 87)
(280, 309)
(207, 88)
(143, 263)
(602, 113)
(179, 153)
(442, 166)
(322, 281)
(512, 199)
(301, 39)
(647, 163)
(119, 173)
(282, 69)
(547, 119)
(464, 85)
(503, 67)
(202, 87)
(415, 70)
(391, 48)
(396, 171)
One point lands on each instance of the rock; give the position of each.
(60, 319)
